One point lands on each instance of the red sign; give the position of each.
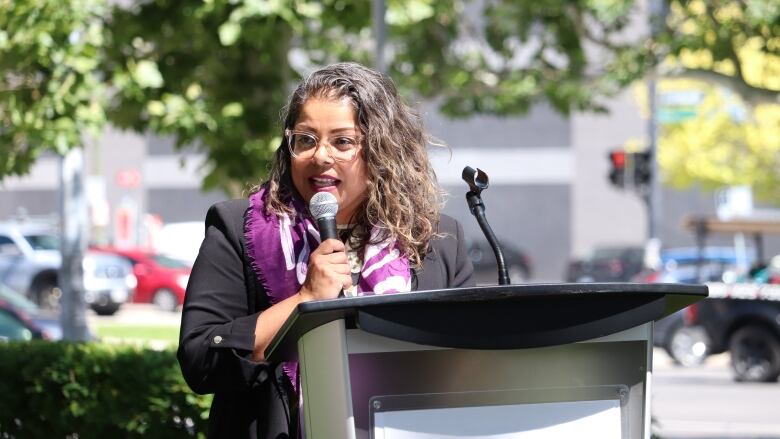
(128, 178)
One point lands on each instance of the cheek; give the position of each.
(359, 182)
(298, 173)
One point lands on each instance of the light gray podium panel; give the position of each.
(450, 378)
(325, 385)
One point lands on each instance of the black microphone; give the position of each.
(323, 207)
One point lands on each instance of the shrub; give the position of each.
(85, 390)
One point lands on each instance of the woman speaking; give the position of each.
(348, 133)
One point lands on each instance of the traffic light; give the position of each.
(617, 170)
(630, 169)
(643, 168)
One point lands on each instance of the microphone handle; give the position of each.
(327, 228)
(328, 231)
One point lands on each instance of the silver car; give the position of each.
(30, 260)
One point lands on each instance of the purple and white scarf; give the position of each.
(279, 249)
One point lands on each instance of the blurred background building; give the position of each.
(549, 194)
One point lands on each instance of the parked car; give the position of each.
(686, 342)
(607, 264)
(30, 259)
(744, 319)
(108, 282)
(47, 323)
(162, 279)
(15, 325)
(518, 263)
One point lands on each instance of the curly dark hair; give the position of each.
(403, 198)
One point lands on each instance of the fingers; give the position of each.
(328, 271)
(330, 246)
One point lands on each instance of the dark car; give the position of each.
(687, 343)
(518, 264)
(22, 313)
(607, 264)
(744, 319)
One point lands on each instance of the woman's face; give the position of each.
(327, 118)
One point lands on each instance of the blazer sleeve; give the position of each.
(218, 323)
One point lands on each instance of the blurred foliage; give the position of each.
(735, 44)
(59, 390)
(730, 52)
(50, 92)
(727, 143)
(214, 74)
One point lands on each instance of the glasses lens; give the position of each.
(303, 144)
(341, 148)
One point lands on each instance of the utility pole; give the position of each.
(653, 199)
(73, 231)
(380, 30)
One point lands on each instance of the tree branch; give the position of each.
(751, 95)
(727, 42)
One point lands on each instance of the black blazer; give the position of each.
(223, 300)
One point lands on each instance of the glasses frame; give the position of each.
(288, 133)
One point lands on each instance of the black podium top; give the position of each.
(492, 317)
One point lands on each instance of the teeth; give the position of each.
(323, 181)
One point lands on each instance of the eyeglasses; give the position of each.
(341, 147)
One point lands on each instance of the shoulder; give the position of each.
(449, 226)
(228, 217)
(449, 232)
(446, 265)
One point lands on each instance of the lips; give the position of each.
(323, 182)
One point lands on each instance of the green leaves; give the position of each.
(216, 73)
(146, 74)
(96, 391)
(717, 148)
(50, 93)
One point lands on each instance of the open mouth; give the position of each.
(323, 183)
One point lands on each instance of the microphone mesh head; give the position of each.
(323, 205)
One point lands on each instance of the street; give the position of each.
(704, 402)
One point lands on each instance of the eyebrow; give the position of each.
(303, 126)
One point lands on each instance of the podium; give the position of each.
(501, 362)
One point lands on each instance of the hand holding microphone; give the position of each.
(329, 271)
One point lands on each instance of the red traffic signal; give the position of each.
(630, 168)
(617, 169)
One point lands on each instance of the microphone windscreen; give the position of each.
(323, 205)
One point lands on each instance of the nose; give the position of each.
(322, 155)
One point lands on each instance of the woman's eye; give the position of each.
(305, 141)
(344, 142)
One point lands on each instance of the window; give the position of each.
(8, 247)
(43, 242)
(168, 262)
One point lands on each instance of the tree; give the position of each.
(726, 143)
(50, 92)
(215, 73)
(735, 44)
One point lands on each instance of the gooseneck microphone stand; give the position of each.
(478, 181)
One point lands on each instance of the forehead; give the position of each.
(325, 113)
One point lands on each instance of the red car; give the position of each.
(162, 280)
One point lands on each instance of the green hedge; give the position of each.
(88, 390)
